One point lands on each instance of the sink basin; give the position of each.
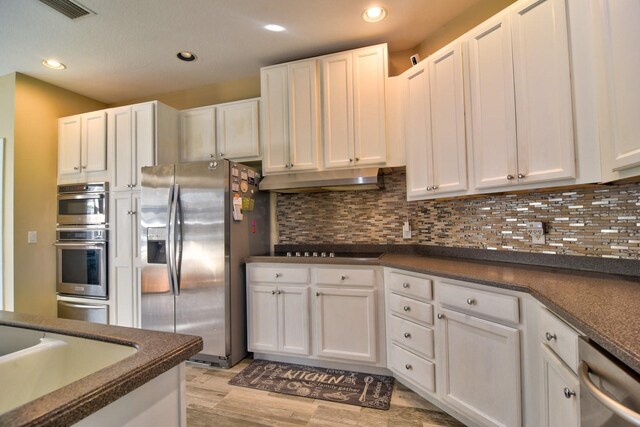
(35, 363)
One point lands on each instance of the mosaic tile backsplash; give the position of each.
(601, 221)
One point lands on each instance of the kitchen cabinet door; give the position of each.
(492, 104)
(619, 57)
(483, 383)
(543, 91)
(94, 142)
(293, 319)
(346, 324)
(237, 130)
(337, 85)
(448, 159)
(560, 389)
(262, 318)
(304, 110)
(369, 76)
(417, 130)
(69, 145)
(122, 290)
(131, 138)
(274, 123)
(198, 133)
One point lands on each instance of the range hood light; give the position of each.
(335, 180)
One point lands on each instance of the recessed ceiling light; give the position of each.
(187, 56)
(374, 14)
(53, 64)
(274, 27)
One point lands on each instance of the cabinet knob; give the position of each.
(429, 188)
(549, 336)
(221, 155)
(278, 291)
(405, 285)
(286, 165)
(357, 159)
(568, 393)
(407, 335)
(278, 275)
(406, 308)
(75, 168)
(273, 292)
(509, 177)
(440, 316)
(133, 212)
(521, 175)
(408, 367)
(350, 160)
(83, 167)
(290, 165)
(434, 188)
(471, 301)
(212, 156)
(317, 294)
(343, 277)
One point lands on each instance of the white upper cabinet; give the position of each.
(521, 126)
(198, 131)
(82, 147)
(290, 123)
(434, 126)
(237, 130)
(618, 57)
(448, 159)
(354, 107)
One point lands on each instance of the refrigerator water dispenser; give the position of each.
(156, 245)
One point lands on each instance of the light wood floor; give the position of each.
(213, 402)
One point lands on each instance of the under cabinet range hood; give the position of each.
(334, 180)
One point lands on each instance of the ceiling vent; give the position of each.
(68, 8)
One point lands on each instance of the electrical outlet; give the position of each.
(32, 237)
(536, 231)
(406, 230)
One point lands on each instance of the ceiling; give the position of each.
(127, 50)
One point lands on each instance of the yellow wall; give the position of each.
(475, 15)
(38, 106)
(205, 95)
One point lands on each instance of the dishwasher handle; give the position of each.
(612, 404)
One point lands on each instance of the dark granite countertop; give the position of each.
(157, 353)
(605, 307)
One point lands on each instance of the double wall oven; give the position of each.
(82, 240)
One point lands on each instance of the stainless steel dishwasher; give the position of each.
(609, 391)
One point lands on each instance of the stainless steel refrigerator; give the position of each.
(198, 222)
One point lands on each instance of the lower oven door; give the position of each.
(82, 269)
(97, 313)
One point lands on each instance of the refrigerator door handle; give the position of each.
(169, 244)
(172, 237)
(177, 241)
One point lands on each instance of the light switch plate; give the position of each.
(32, 237)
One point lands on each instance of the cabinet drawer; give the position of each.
(278, 275)
(410, 285)
(345, 276)
(411, 335)
(481, 303)
(560, 338)
(416, 368)
(411, 309)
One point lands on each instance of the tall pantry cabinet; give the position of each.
(138, 135)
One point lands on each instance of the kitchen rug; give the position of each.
(353, 388)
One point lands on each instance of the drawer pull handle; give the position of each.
(568, 393)
(440, 316)
(471, 301)
(549, 336)
(405, 285)
(406, 308)
(407, 335)
(278, 275)
(408, 367)
(343, 277)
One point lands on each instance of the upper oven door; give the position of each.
(82, 209)
(82, 269)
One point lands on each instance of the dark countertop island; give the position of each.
(605, 307)
(157, 353)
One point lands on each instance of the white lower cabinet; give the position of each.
(480, 367)
(346, 323)
(327, 313)
(279, 318)
(560, 392)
